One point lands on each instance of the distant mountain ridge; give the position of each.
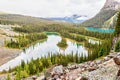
(23, 20)
(104, 17)
(71, 19)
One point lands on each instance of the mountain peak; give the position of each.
(111, 5)
(106, 17)
(75, 18)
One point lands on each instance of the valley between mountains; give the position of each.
(61, 48)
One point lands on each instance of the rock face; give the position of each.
(106, 18)
(111, 5)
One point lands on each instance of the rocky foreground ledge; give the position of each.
(107, 68)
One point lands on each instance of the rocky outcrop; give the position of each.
(107, 68)
(111, 5)
(102, 69)
(106, 17)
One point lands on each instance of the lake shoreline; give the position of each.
(101, 30)
(16, 52)
(7, 54)
(38, 50)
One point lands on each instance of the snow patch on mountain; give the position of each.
(71, 19)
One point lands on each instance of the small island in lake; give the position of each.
(63, 43)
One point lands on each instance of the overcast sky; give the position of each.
(52, 8)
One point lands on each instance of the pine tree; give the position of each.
(22, 64)
(117, 46)
(101, 52)
(117, 27)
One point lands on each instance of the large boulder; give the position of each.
(58, 70)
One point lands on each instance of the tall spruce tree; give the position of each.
(117, 27)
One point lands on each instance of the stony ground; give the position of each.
(103, 69)
(106, 71)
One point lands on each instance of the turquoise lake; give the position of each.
(100, 30)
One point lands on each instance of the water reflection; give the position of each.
(42, 49)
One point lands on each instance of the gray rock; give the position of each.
(118, 54)
(92, 64)
(58, 70)
(98, 61)
(106, 58)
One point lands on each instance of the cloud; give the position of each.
(52, 8)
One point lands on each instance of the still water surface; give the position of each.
(100, 30)
(43, 48)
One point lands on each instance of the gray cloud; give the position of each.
(52, 8)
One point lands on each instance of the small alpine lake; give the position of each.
(44, 48)
(102, 30)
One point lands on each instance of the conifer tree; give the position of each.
(117, 46)
(117, 27)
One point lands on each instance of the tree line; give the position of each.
(62, 28)
(117, 33)
(25, 40)
(35, 67)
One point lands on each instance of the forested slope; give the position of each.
(100, 18)
(23, 20)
